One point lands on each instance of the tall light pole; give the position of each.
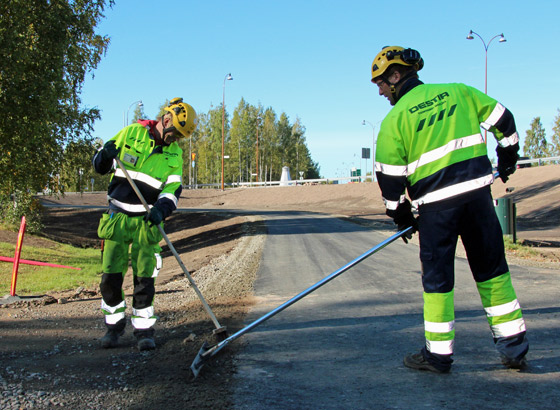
(364, 122)
(258, 120)
(227, 77)
(502, 40)
(140, 104)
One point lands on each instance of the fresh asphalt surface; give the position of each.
(342, 346)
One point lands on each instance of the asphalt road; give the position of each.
(342, 346)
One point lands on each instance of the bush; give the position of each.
(14, 207)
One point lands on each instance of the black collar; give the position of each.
(409, 85)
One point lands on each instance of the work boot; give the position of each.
(146, 343)
(111, 338)
(417, 361)
(519, 364)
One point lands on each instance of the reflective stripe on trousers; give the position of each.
(143, 318)
(501, 306)
(439, 322)
(113, 313)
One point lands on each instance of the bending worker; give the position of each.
(152, 157)
(430, 145)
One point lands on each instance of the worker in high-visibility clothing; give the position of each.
(153, 159)
(430, 146)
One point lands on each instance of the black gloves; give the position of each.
(505, 172)
(109, 151)
(507, 160)
(404, 218)
(154, 217)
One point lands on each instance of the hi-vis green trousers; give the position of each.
(129, 237)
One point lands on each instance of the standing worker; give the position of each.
(430, 145)
(152, 157)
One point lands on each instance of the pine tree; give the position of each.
(535, 140)
(554, 146)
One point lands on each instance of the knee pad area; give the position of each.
(144, 292)
(111, 288)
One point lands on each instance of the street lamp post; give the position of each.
(140, 104)
(502, 40)
(364, 122)
(258, 120)
(227, 77)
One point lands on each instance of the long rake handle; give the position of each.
(212, 351)
(170, 245)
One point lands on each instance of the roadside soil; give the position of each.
(49, 347)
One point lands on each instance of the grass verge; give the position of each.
(520, 250)
(39, 280)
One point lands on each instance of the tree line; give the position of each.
(258, 143)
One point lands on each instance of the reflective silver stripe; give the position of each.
(392, 205)
(112, 309)
(502, 309)
(114, 318)
(453, 190)
(145, 312)
(141, 177)
(143, 323)
(158, 265)
(169, 196)
(113, 313)
(507, 329)
(128, 207)
(494, 117)
(508, 141)
(174, 178)
(393, 170)
(143, 318)
(442, 151)
(439, 327)
(440, 347)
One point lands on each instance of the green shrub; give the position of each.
(14, 207)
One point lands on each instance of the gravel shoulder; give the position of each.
(50, 351)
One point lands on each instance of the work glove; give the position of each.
(507, 160)
(154, 217)
(404, 218)
(505, 172)
(110, 151)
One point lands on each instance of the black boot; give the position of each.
(418, 361)
(145, 338)
(111, 338)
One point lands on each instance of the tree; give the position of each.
(280, 143)
(139, 114)
(76, 171)
(535, 140)
(46, 48)
(554, 146)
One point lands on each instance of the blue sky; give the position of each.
(312, 59)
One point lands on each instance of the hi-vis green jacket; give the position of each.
(430, 144)
(156, 170)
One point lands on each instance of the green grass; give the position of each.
(519, 249)
(38, 280)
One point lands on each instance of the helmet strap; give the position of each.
(166, 130)
(401, 81)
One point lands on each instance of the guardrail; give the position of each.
(539, 161)
(293, 182)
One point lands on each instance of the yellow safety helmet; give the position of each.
(184, 116)
(390, 55)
